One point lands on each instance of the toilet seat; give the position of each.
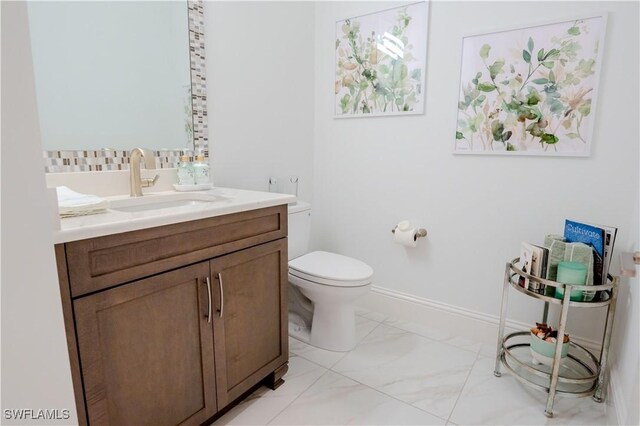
(331, 269)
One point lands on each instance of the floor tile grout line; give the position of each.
(299, 395)
(344, 354)
(463, 385)
(340, 359)
(446, 420)
(390, 396)
(363, 384)
(477, 353)
(479, 357)
(434, 340)
(360, 341)
(317, 363)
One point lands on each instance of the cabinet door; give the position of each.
(146, 351)
(250, 325)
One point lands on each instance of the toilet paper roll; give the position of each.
(406, 238)
(404, 225)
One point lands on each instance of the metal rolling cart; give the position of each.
(581, 373)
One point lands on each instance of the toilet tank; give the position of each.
(299, 228)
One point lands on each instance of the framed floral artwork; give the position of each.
(380, 62)
(531, 91)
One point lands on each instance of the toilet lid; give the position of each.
(331, 269)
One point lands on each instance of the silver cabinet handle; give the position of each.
(209, 294)
(219, 277)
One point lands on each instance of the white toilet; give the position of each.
(323, 288)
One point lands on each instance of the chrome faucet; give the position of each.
(136, 182)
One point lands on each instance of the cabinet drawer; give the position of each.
(103, 262)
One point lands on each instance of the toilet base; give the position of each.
(333, 322)
(302, 335)
(333, 327)
(298, 328)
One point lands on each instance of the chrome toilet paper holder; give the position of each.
(420, 233)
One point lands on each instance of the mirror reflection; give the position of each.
(112, 74)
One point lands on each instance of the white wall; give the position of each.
(260, 93)
(370, 173)
(35, 362)
(626, 337)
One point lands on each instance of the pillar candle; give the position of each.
(571, 273)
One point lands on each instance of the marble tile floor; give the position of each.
(403, 373)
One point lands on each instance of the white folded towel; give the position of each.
(71, 203)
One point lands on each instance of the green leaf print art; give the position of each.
(530, 91)
(380, 62)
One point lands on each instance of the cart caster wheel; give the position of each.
(548, 413)
(497, 374)
(598, 399)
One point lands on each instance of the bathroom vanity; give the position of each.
(172, 315)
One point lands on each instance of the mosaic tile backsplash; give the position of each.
(198, 75)
(107, 159)
(99, 160)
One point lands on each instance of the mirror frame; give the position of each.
(106, 159)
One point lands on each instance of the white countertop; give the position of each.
(113, 222)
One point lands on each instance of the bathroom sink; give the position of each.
(159, 202)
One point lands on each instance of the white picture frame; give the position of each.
(531, 90)
(380, 62)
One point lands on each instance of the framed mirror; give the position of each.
(111, 76)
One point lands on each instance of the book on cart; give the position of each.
(609, 241)
(539, 267)
(524, 264)
(533, 261)
(600, 238)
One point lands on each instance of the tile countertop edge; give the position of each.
(99, 225)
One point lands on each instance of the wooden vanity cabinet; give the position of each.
(180, 331)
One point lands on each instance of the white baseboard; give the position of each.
(455, 319)
(475, 325)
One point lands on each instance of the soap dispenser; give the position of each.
(201, 171)
(185, 171)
